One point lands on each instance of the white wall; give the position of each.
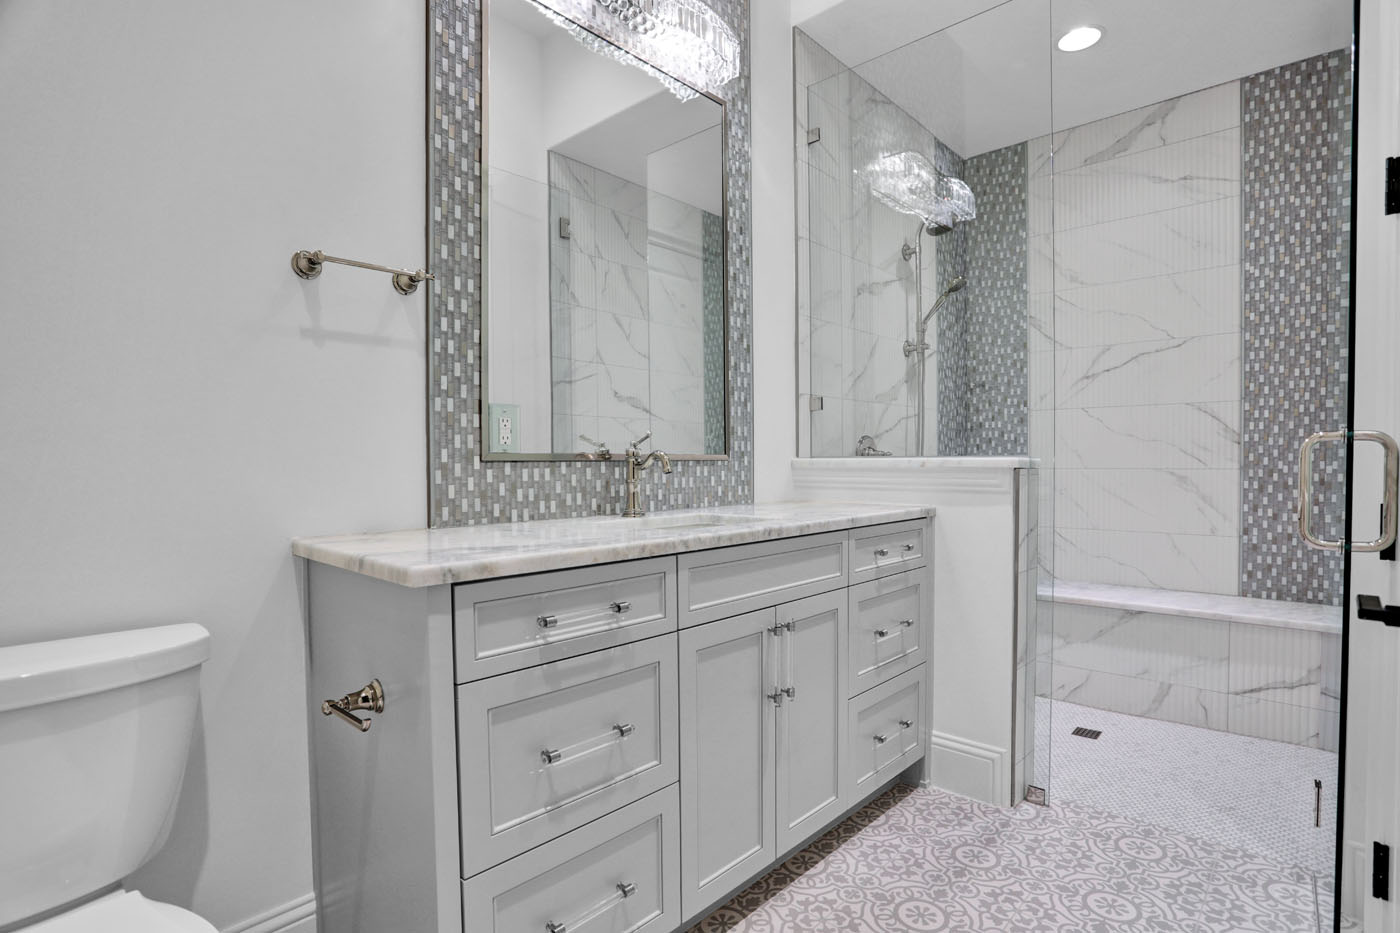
(176, 404)
(774, 258)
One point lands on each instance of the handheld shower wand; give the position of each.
(920, 344)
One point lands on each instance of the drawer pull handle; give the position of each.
(907, 623)
(777, 697)
(370, 697)
(621, 606)
(906, 723)
(908, 547)
(625, 889)
(547, 621)
(882, 552)
(881, 739)
(616, 733)
(882, 633)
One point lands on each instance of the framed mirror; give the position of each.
(604, 302)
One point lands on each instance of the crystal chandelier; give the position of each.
(909, 183)
(682, 43)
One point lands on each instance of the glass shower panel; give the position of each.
(1197, 187)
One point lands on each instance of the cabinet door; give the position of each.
(727, 671)
(811, 719)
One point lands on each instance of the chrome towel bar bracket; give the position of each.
(308, 263)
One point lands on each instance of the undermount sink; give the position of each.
(672, 522)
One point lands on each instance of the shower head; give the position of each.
(958, 284)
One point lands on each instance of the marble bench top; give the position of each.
(432, 556)
(1280, 613)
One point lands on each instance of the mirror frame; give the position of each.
(484, 172)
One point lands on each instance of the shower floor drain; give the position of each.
(1084, 733)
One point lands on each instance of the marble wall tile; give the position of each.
(1279, 665)
(1175, 502)
(1156, 372)
(1138, 697)
(1170, 649)
(1197, 114)
(1193, 171)
(1192, 303)
(1187, 435)
(1199, 236)
(1297, 725)
(1198, 563)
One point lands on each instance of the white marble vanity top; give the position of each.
(432, 556)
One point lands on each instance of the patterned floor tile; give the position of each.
(927, 860)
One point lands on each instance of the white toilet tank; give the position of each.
(94, 733)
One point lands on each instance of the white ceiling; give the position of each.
(986, 73)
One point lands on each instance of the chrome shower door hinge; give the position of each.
(816, 403)
(1035, 795)
(814, 135)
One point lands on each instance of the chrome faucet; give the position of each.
(636, 463)
(865, 447)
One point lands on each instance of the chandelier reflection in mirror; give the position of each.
(909, 183)
(682, 43)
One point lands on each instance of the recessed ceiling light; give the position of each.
(1079, 38)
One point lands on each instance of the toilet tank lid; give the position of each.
(48, 671)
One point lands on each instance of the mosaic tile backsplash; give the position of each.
(1295, 265)
(464, 489)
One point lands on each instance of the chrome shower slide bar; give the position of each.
(307, 264)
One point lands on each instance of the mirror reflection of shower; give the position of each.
(909, 183)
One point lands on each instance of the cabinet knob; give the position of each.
(777, 697)
(882, 633)
(881, 739)
(908, 547)
(550, 756)
(906, 723)
(790, 692)
(621, 606)
(624, 729)
(547, 621)
(882, 552)
(907, 623)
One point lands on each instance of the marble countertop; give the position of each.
(433, 556)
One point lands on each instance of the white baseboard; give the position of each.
(969, 768)
(298, 916)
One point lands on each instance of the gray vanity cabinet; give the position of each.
(763, 717)
(812, 646)
(728, 670)
(620, 746)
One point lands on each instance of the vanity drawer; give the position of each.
(577, 882)
(545, 750)
(885, 549)
(730, 581)
(887, 628)
(885, 733)
(505, 625)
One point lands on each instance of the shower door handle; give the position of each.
(1388, 508)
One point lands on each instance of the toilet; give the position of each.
(94, 733)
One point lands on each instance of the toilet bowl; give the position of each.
(94, 733)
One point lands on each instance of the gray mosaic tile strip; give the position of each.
(982, 390)
(996, 396)
(1295, 279)
(463, 489)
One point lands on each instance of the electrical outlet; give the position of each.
(504, 427)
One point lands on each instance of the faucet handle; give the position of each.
(645, 437)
